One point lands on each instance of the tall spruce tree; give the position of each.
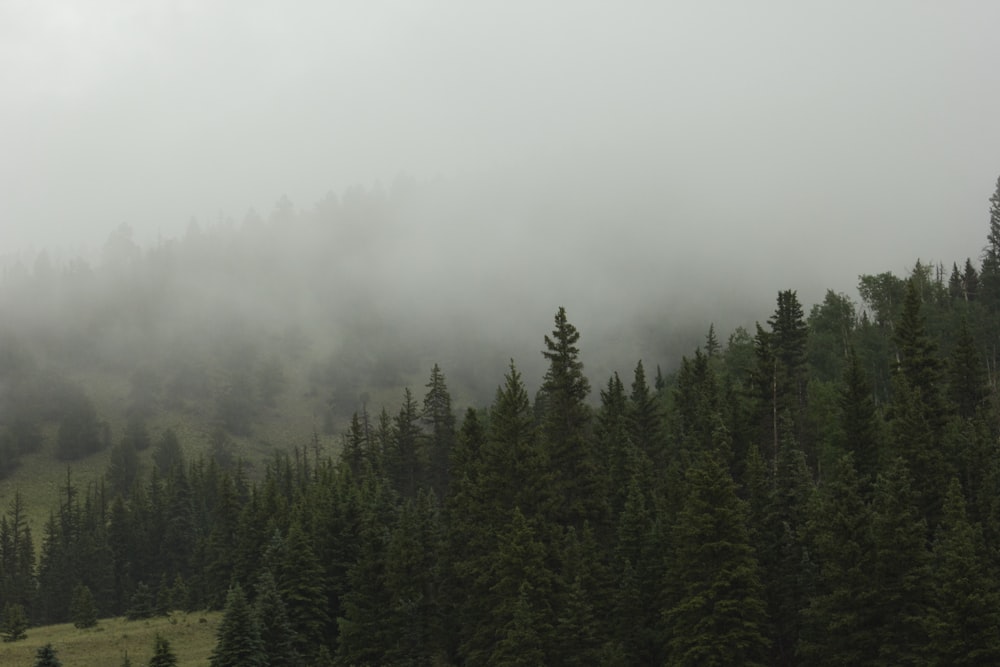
(276, 633)
(574, 486)
(439, 420)
(716, 614)
(238, 642)
(964, 610)
(837, 628)
(858, 418)
(900, 572)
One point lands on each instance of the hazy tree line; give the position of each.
(822, 490)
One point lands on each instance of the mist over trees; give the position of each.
(819, 488)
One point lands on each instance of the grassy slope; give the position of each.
(191, 636)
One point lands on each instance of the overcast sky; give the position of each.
(856, 136)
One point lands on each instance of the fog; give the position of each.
(651, 166)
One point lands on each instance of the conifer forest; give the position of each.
(820, 486)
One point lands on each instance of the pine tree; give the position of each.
(614, 446)
(989, 273)
(518, 569)
(413, 619)
(784, 550)
(238, 642)
(14, 623)
(858, 417)
(363, 630)
(276, 633)
(900, 573)
(574, 481)
(519, 643)
(163, 655)
(352, 454)
(967, 381)
(717, 613)
(83, 609)
(405, 459)
(918, 361)
(963, 613)
(300, 579)
(645, 421)
(440, 422)
(837, 626)
(46, 657)
(970, 281)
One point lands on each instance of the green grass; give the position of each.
(191, 636)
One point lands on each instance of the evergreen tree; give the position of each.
(788, 343)
(717, 613)
(238, 642)
(519, 643)
(363, 630)
(83, 609)
(440, 422)
(142, 603)
(967, 381)
(970, 281)
(837, 625)
(353, 452)
(614, 446)
(989, 274)
(574, 485)
(900, 573)
(405, 460)
(917, 357)
(413, 619)
(300, 580)
(14, 624)
(518, 569)
(858, 419)
(163, 655)
(783, 552)
(46, 657)
(276, 633)
(645, 421)
(17, 555)
(964, 610)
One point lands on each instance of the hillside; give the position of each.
(191, 636)
(818, 489)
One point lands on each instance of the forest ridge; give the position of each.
(823, 489)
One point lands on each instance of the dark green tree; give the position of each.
(716, 613)
(837, 624)
(405, 459)
(301, 584)
(276, 632)
(163, 654)
(411, 574)
(644, 418)
(238, 642)
(83, 609)
(900, 569)
(989, 273)
(574, 484)
(14, 624)
(964, 609)
(439, 421)
(858, 417)
(966, 373)
(46, 657)
(519, 643)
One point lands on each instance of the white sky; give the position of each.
(833, 137)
